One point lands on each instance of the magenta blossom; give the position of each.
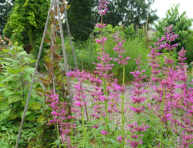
(121, 61)
(104, 133)
(119, 139)
(101, 42)
(101, 25)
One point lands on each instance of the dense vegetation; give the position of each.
(156, 112)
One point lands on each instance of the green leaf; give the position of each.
(22, 69)
(31, 117)
(4, 114)
(41, 118)
(1, 99)
(12, 115)
(3, 106)
(57, 70)
(59, 77)
(32, 61)
(7, 93)
(2, 85)
(113, 141)
(35, 106)
(27, 113)
(5, 50)
(57, 142)
(47, 58)
(14, 98)
(14, 71)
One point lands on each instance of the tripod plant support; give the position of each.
(37, 62)
(68, 28)
(63, 49)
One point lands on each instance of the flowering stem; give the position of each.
(150, 81)
(58, 132)
(122, 117)
(71, 135)
(163, 100)
(83, 130)
(101, 28)
(106, 110)
(176, 129)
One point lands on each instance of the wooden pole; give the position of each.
(64, 52)
(33, 78)
(68, 28)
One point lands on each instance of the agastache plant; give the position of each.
(170, 102)
(120, 50)
(168, 83)
(80, 97)
(135, 138)
(61, 118)
(106, 93)
(138, 106)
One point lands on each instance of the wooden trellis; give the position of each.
(54, 4)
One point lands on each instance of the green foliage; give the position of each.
(27, 22)
(84, 14)
(189, 48)
(15, 81)
(80, 17)
(129, 12)
(181, 25)
(134, 47)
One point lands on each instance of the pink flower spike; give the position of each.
(101, 41)
(101, 25)
(122, 62)
(119, 139)
(104, 133)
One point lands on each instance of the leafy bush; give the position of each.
(134, 47)
(181, 26)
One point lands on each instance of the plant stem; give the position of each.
(58, 133)
(106, 110)
(122, 115)
(83, 128)
(163, 100)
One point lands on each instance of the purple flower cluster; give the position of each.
(137, 99)
(102, 11)
(103, 7)
(173, 93)
(61, 116)
(120, 49)
(136, 135)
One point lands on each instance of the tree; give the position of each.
(84, 14)
(129, 12)
(181, 25)
(5, 8)
(80, 17)
(26, 23)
